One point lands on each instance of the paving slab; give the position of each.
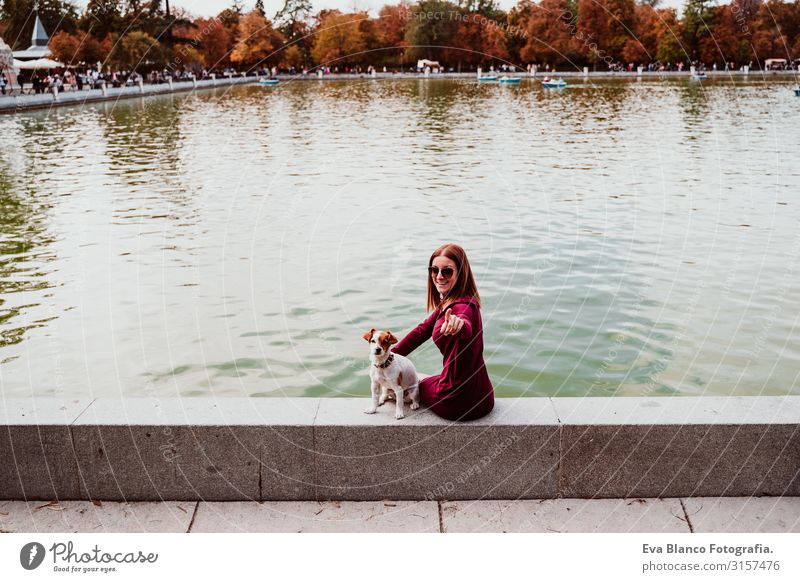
(312, 516)
(744, 514)
(510, 453)
(565, 516)
(86, 517)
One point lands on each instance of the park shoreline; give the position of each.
(10, 104)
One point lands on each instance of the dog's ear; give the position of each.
(368, 335)
(391, 339)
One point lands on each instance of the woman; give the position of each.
(463, 390)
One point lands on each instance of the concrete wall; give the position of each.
(312, 448)
(16, 103)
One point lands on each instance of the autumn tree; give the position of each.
(777, 30)
(605, 27)
(214, 41)
(229, 18)
(392, 23)
(517, 19)
(731, 37)
(186, 57)
(64, 47)
(344, 39)
(467, 44)
(653, 27)
(493, 40)
(257, 42)
(95, 50)
(550, 35)
(80, 47)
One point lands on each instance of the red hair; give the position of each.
(464, 283)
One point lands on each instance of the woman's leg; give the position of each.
(428, 387)
(452, 408)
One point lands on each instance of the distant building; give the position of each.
(7, 65)
(39, 42)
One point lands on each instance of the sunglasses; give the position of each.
(447, 272)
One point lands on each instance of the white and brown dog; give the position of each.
(390, 373)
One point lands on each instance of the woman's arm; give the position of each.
(464, 312)
(417, 336)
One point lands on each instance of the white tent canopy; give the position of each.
(422, 63)
(37, 64)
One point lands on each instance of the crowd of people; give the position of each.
(68, 79)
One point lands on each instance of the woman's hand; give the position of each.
(452, 324)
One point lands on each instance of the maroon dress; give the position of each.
(463, 390)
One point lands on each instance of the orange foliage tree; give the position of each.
(730, 39)
(215, 41)
(605, 27)
(392, 24)
(257, 43)
(82, 47)
(777, 30)
(64, 47)
(345, 39)
(493, 42)
(655, 28)
(551, 35)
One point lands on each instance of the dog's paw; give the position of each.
(399, 415)
(370, 410)
(414, 405)
(381, 401)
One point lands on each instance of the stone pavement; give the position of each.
(695, 514)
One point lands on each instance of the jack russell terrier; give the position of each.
(390, 372)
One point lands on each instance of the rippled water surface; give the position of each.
(629, 238)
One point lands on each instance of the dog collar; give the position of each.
(386, 363)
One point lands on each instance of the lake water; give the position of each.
(629, 238)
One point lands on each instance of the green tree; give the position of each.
(138, 51)
(294, 12)
(698, 19)
(157, 21)
(102, 17)
(292, 22)
(670, 49)
(56, 15)
(431, 37)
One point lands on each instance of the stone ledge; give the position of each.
(17, 103)
(240, 449)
